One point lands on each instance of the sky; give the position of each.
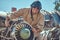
(6, 5)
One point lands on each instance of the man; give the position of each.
(32, 16)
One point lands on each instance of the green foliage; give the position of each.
(57, 5)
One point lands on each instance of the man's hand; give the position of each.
(7, 21)
(36, 31)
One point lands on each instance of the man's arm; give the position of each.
(17, 14)
(13, 16)
(40, 24)
(22, 12)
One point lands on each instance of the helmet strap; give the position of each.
(31, 15)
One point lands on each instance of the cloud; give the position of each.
(2, 13)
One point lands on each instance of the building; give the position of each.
(13, 9)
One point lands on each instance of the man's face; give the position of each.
(35, 10)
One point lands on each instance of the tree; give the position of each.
(57, 5)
